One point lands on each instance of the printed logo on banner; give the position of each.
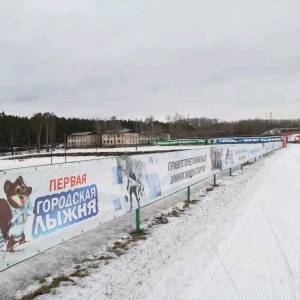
(14, 212)
(248, 140)
(117, 204)
(255, 151)
(57, 211)
(117, 175)
(229, 157)
(226, 141)
(154, 185)
(216, 154)
(190, 167)
(152, 160)
(297, 138)
(268, 147)
(241, 154)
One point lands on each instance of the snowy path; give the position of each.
(241, 241)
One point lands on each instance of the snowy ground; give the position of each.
(239, 241)
(20, 160)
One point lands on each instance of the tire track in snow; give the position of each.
(263, 292)
(219, 267)
(211, 254)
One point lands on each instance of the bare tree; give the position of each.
(49, 122)
(177, 125)
(139, 125)
(37, 121)
(114, 125)
(149, 122)
(99, 127)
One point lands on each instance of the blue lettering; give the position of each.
(64, 209)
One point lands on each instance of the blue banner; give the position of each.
(249, 140)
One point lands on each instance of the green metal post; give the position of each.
(189, 194)
(215, 180)
(137, 220)
(230, 172)
(241, 166)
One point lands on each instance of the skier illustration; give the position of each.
(132, 187)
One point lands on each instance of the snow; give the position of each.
(59, 155)
(238, 241)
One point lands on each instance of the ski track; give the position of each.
(241, 241)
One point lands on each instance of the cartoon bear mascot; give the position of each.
(14, 212)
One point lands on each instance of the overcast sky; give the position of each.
(230, 60)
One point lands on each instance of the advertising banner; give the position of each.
(43, 206)
(248, 140)
(295, 138)
(182, 142)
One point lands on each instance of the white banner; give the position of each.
(294, 138)
(43, 206)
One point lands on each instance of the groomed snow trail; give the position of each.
(241, 241)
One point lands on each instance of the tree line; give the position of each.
(44, 130)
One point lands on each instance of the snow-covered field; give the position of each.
(239, 240)
(60, 156)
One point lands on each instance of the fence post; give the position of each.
(137, 220)
(215, 180)
(189, 194)
(230, 172)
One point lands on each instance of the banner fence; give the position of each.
(43, 206)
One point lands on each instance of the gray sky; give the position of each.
(230, 60)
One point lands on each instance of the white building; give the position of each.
(84, 140)
(120, 138)
(128, 137)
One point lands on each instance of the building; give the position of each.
(120, 138)
(84, 140)
(145, 137)
(164, 136)
(128, 137)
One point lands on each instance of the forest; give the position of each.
(45, 129)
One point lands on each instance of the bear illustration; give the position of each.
(14, 212)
